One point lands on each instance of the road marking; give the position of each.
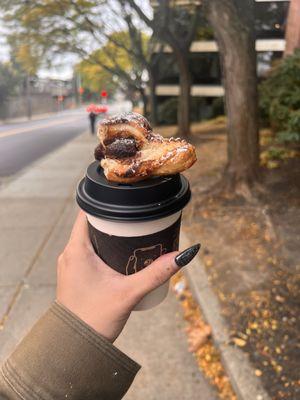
(18, 131)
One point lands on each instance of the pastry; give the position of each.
(129, 151)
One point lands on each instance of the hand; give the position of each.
(99, 295)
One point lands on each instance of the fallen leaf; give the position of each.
(198, 337)
(240, 342)
(279, 299)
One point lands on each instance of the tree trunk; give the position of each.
(236, 44)
(145, 102)
(153, 101)
(184, 98)
(292, 35)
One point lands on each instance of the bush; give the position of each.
(280, 99)
(218, 107)
(167, 111)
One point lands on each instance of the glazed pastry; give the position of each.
(129, 151)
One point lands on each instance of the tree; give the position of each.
(112, 62)
(233, 28)
(139, 48)
(76, 26)
(26, 53)
(145, 53)
(176, 27)
(292, 36)
(94, 78)
(10, 79)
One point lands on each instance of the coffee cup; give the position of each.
(130, 225)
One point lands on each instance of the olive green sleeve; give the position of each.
(63, 358)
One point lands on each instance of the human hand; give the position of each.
(99, 295)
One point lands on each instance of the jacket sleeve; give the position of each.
(63, 358)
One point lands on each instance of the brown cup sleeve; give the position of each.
(128, 255)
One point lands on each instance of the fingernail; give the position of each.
(187, 255)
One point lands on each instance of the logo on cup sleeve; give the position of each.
(142, 257)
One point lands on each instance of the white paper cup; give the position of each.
(142, 242)
(132, 225)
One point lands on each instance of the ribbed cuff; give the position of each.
(90, 335)
(63, 357)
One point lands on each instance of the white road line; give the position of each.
(18, 131)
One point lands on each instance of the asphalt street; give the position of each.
(24, 142)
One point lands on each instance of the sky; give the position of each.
(4, 50)
(62, 68)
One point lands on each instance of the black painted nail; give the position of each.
(187, 255)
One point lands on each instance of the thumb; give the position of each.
(161, 270)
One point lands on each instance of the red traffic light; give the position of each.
(103, 93)
(81, 90)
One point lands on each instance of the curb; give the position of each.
(236, 363)
(24, 118)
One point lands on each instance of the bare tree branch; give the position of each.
(140, 13)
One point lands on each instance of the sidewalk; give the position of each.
(37, 211)
(34, 117)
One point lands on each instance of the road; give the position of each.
(22, 143)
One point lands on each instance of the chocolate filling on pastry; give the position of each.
(99, 152)
(121, 148)
(116, 148)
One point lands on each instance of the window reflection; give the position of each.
(270, 19)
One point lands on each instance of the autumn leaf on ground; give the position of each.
(239, 342)
(198, 336)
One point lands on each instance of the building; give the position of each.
(207, 90)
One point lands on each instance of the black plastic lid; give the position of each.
(149, 199)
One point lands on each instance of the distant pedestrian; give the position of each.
(92, 117)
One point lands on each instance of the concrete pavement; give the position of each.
(37, 211)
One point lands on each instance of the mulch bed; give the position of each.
(251, 252)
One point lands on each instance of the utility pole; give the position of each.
(28, 97)
(78, 80)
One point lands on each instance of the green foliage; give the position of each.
(95, 78)
(276, 153)
(40, 29)
(10, 78)
(43, 31)
(109, 66)
(273, 156)
(280, 99)
(167, 111)
(292, 131)
(218, 106)
(204, 33)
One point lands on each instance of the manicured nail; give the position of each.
(187, 255)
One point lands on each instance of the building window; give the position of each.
(270, 19)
